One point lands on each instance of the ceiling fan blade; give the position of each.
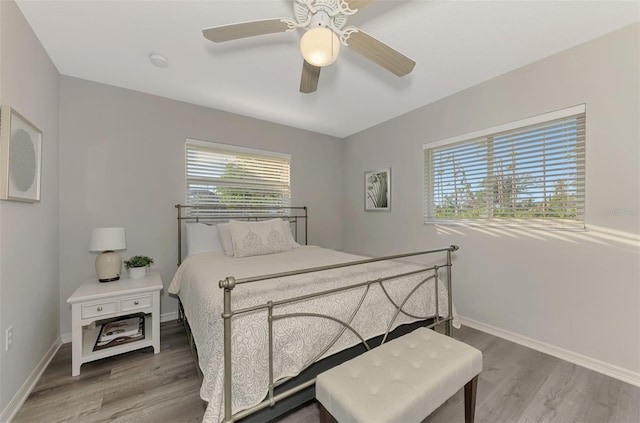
(310, 76)
(359, 4)
(380, 53)
(222, 33)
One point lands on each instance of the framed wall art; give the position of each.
(377, 190)
(20, 157)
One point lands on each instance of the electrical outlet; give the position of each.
(9, 339)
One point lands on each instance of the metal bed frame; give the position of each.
(302, 386)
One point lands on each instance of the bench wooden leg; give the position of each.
(325, 416)
(470, 400)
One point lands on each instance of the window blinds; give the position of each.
(235, 178)
(527, 176)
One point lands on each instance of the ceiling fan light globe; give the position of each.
(320, 46)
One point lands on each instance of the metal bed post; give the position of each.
(306, 234)
(270, 323)
(179, 233)
(449, 325)
(227, 284)
(436, 281)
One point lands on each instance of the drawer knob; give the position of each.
(99, 308)
(136, 302)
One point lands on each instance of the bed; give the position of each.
(264, 325)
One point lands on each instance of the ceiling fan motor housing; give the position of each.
(320, 13)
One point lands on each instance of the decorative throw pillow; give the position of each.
(258, 238)
(202, 238)
(225, 238)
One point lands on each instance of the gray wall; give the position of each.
(29, 284)
(122, 164)
(577, 292)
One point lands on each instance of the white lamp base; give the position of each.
(108, 266)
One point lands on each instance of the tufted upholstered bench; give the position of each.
(401, 381)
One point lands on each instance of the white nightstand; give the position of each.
(97, 301)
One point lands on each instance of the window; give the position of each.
(236, 177)
(526, 173)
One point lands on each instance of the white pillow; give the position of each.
(225, 238)
(202, 238)
(258, 238)
(289, 235)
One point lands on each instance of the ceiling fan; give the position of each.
(324, 22)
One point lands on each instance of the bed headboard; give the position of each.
(211, 215)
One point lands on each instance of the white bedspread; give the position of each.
(297, 339)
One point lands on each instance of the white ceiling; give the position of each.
(456, 44)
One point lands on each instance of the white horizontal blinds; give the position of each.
(457, 179)
(528, 176)
(236, 178)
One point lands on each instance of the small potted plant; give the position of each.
(137, 266)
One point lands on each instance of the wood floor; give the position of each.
(517, 385)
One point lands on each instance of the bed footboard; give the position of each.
(291, 387)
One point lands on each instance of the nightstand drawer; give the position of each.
(136, 303)
(101, 309)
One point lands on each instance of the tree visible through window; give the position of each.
(530, 175)
(235, 178)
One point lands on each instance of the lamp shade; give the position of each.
(320, 46)
(107, 239)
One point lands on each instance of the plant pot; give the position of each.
(137, 272)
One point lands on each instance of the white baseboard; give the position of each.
(607, 369)
(66, 338)
(166, 317)
(21, 396)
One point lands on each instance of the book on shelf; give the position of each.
(121, 331)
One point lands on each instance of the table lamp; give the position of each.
(108, 262)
